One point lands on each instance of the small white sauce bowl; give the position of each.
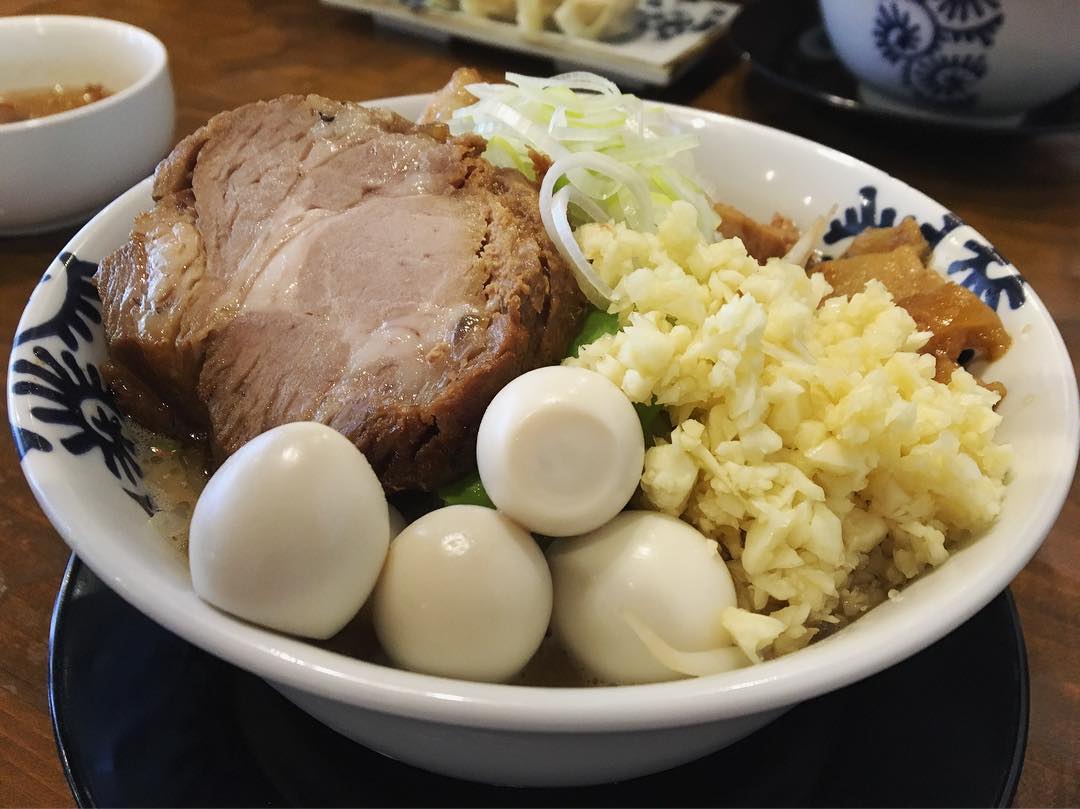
(60, 169)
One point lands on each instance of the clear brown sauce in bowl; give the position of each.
(38, 102)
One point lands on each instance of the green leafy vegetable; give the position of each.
(654, 419)
(468, 491)
(597, 324)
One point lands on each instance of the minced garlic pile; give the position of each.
(809, 439)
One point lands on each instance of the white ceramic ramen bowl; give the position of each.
(61, 169)
(79, 467)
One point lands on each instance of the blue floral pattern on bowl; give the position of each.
(940, 45)
(972, 270)
(70, 394)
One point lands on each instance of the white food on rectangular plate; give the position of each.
(665, 41)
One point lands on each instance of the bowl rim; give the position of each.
(159, 64)
(292, 663)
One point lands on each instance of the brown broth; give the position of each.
(38, 102)
(174, 474)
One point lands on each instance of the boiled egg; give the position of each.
(465, 593)
(560, 450)
(639, 600)
(291, 531)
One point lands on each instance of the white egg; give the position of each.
(642, 588)
(560, 450)
(291, 531)
(465, 593)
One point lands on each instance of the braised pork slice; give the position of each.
(152, 311)
(309, 259)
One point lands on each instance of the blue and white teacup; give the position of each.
(958, 57)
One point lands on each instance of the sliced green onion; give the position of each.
(557, 223)
(621, 158)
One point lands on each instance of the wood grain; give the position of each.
(1022, 193)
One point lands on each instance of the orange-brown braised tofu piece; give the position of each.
(885, 240)
(901, 271)
(762, 241)
(960, 322)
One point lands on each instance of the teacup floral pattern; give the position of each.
(939, 45)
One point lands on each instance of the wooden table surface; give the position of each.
(1024, 194)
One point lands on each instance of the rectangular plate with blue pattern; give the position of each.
(666, 38)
